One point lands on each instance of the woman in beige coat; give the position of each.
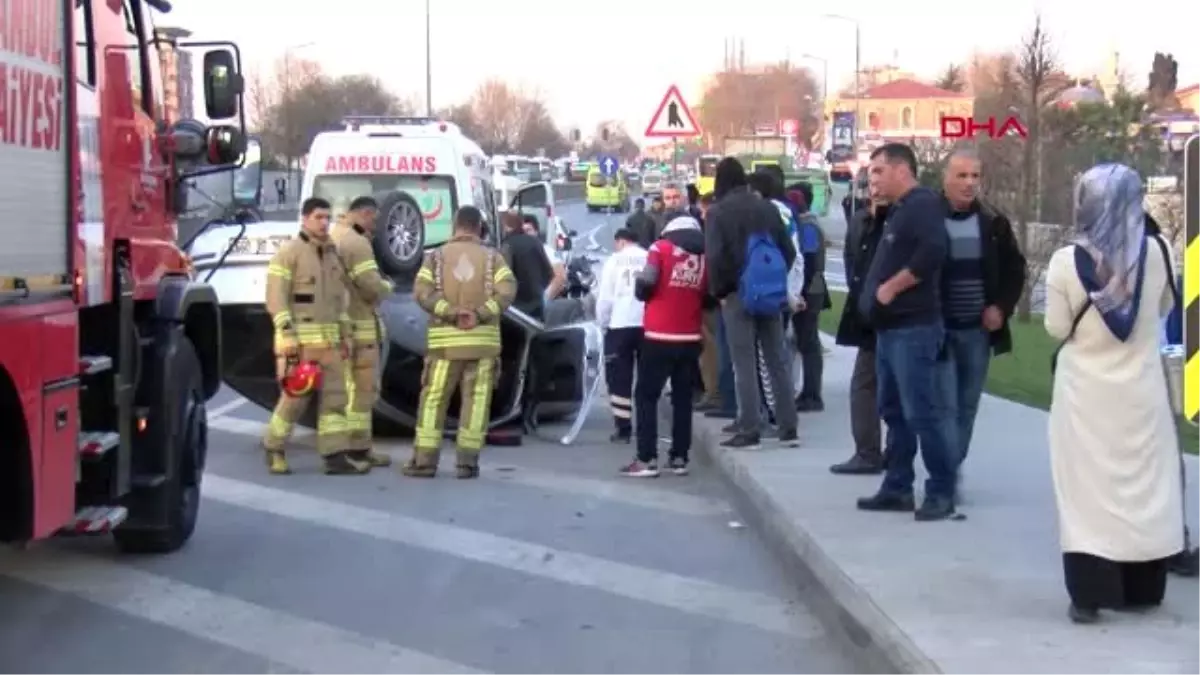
(1113, 448)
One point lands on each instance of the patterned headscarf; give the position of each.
(1110, 227)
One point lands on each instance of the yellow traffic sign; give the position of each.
(1191, 280)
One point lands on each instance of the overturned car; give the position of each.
(545, 372)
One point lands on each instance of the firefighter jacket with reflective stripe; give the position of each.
(463, 275)
(306, 293)
(368, 287)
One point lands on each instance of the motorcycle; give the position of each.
(581, 277)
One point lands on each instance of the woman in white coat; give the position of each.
(1113, 448)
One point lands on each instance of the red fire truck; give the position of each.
(109, 349)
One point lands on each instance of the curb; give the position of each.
(872, 638)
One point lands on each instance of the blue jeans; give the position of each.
(970, 352)
(913, 372)
(725, 381)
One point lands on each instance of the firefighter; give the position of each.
(464, 286)
(368, 289)
(306, 298)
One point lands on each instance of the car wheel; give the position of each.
(399, 234)
(180, 493)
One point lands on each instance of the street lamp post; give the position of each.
(428, 64)
(857, 88)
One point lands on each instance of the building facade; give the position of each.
(902, 109)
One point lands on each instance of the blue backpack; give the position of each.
(763, 284)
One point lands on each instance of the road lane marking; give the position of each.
(611, 491)
(245, 427)
(666, 589)
(607, 490)
(226, 408)
(302, 644)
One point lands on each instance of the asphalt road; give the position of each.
(549, 563)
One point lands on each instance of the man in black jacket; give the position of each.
(981, 285)
(526, 257)
(737, 214)
(642, 224)
(863, 233)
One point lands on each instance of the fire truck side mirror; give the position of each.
(222, 85)
(224, 145)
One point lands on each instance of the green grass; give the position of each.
(1022, 375)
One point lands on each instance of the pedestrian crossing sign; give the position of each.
(1191, 280)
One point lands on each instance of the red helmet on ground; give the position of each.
(301, 379)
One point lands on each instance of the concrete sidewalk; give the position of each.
(981, 595)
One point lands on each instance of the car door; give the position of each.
(537, 199)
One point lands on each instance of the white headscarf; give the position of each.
(1110, 226)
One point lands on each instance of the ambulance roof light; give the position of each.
(356, 122)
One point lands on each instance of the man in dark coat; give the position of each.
(863, 232)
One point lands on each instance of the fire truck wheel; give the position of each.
(399, 234)
(180, 495)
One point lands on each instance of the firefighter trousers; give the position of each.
(474, 380)
(361, 392)
(331, 405)
(621, 347)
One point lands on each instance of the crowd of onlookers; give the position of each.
(713, 284)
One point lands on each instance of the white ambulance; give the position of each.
(420, 170)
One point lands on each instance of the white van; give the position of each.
(421, 170)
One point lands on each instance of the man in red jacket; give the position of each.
(674, 286)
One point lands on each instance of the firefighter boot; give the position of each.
(424, 464)
(466, 464)
(344, 464)
(370, 457)
(277, 463)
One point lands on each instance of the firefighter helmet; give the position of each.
(301, 379)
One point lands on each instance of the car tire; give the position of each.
(399, 240)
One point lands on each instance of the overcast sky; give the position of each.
(615, 59)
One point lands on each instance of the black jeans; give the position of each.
(659, 362)
(806, 330)
(621, 346)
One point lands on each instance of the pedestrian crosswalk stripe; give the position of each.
(277, 636)
(666, 589)
(245, 427)
(619, 492)
(1191, 281)
(622, 492)
(226, 408)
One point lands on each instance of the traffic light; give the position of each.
(575, 136)
(604, 135)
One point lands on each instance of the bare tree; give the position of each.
(499, 115)
(1037, 62)
(952, 79)
(619, 141)
(299, 101)
(261, 96)
(462, 115)
(737, 101)
(539, 135)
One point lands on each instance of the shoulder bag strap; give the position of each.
(1074, 325)
(1166, 255)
